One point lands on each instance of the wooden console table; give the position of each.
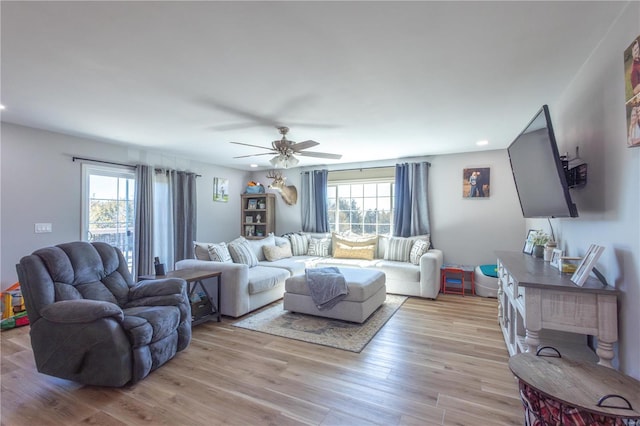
(533, 295)
(194, 278)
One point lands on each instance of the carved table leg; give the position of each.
(532, 340)
(605, 353)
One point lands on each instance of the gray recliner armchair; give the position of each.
(91, 323)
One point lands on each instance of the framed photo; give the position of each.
(252, 204)
(555, 258)
(249, 231)
(248, 219)
(476, 182)
(588, 262)
(632, 92)
(528, 244)
(220, 190)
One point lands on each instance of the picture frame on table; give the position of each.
(586, 265)
(555, 258)
(528, 243)
(248, 219)
(252, 204)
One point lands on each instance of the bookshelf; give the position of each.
(258, 215)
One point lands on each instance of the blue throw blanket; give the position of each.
(327, 286)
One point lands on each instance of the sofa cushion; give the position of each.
(256, 245)
(219, 253)
(399, 271)
(353, 240)
(201, 250)
(419, 248)
(299, 243)
(319, 247)
(272, 253)
(262, 278)
(242, 253)
(295, 265)
(398, 249)
(343, 251)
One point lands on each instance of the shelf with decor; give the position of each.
(258, 215)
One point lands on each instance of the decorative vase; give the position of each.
(538, 251)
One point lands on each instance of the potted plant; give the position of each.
(540, 238)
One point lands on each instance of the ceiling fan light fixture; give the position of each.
(283, 161)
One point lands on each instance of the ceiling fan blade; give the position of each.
(261, 119)
(254, 155)
(303, 145)
(234, 126)
(319, 155)
(254, 146)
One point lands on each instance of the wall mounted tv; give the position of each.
(538, 171)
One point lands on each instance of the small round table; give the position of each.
(561, 391)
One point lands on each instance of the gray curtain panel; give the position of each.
(144, 221)
(315, 216)
(411, 206)
(184, 213)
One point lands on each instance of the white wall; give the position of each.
(40, 183)
(591, 115)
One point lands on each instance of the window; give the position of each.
(108, 207)
(362, 204)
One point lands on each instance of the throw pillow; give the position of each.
(201, 251)
(398, 249)
(299, 243)
(319, 247)
(344, 251)
(242, 253)
(419, 248)
(353, 240)
(219, 253)
(272, 253)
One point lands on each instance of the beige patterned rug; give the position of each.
(343, 335)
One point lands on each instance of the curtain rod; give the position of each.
(111, 162)
(362, 168)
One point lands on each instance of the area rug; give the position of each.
(338, 334)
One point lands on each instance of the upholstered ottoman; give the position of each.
(367, 291)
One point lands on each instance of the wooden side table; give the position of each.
(194, 278)
(562, 391)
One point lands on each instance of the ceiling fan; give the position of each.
(286, 150)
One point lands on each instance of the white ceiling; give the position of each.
(368, 80)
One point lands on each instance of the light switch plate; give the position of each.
(41, 228)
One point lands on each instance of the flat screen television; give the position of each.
(538, 171)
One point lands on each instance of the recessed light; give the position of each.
(1, 107)
(253, 165)
(482, 143)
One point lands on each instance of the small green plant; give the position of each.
(540, 238)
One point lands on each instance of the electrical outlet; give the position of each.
(41, 228)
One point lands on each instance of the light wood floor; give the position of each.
(434, 363)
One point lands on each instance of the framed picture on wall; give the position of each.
(632, 92)
(221, 190)
(528, 243)
(476, 182)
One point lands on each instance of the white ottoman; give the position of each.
(367, 291)
(486, 280)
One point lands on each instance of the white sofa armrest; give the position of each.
(235, 283)
(430, 264)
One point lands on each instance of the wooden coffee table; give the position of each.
(194, 278)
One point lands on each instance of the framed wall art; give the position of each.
(476, 182)
(632, 92)
(220, 189)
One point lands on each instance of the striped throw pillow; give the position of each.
(219, 253)
(398, 249)
(299, 243)
(242, 253)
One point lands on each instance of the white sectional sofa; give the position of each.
(257, 282)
